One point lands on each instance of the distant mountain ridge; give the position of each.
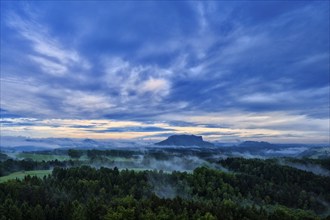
(185, 140)
(256, 144)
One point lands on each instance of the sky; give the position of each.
(227, 70)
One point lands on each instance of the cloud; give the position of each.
(37, 100)
(48, 52)
(25, 94)
(78, 102)
(136, 82)
(49, 66)
(76, 128)
(274, 127)
(289, 100)
(159, 87)
(132, 129)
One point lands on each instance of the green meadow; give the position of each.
(22, 174)
(41, 157)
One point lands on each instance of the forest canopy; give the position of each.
(251, 189)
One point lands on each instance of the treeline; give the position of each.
(88, 193)
(93, 154)
(324, 162)
(268, 181)
(3, 157)
(114, 153)
(10, 165)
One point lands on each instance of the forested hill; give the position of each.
(252, 189)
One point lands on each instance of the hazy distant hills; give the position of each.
(249, 149)
(316, 153)
(185, 140)
(256, 144)
(20, 144)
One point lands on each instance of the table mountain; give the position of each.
(185, 140)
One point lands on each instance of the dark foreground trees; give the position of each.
(256, 190)
(75, 154)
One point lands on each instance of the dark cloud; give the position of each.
(131, 129)
(82, 126)
(6, 114)
(219, 133)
